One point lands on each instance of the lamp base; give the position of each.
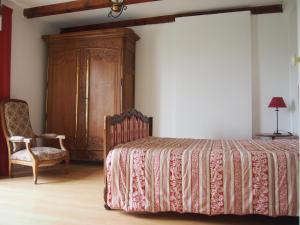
(277, 133)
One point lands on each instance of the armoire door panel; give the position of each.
(62, 96)
(102, 85)
(128, 76)
(128, 92)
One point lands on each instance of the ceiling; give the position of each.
(159, 8)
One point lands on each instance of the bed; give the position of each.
(211, 177)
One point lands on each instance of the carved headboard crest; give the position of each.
(126, 115)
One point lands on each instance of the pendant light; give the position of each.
(117, 8)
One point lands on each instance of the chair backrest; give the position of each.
(16, 121)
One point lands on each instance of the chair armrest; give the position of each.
(47, 136)
(60, 138)
(51, 136)
(19, 139)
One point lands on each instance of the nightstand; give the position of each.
(276, 136)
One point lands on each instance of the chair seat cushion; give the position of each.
(43, 153)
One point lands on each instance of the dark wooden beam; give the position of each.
(171, 18)
(73, 6)
(267, 9)
(118, 24)
(254, 10)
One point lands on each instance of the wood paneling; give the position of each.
(171, 18)
(128, 80)
(84, 84)
(103, 88)
(72, 6)
(62, 94)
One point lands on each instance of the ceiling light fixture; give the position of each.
(117, 8)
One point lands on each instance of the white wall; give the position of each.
(213, 69)
(291, 23)
(155, 76)
(298, 41)
(294, 71)
(29, 63)
(270, 71)
(185, 102)
(194, 76)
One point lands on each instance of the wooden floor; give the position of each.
(77, 199)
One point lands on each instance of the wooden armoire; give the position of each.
(90, 75)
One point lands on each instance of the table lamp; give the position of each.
(277, 102)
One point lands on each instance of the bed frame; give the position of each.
(120, 129)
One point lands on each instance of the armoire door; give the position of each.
(103, 89)
(128, 78)
(62, 95)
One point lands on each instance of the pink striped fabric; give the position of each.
(211, 177)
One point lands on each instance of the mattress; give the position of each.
(211, 177)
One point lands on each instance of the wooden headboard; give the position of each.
(126, 127)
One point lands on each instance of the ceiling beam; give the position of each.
(254, 10)
(73, 6)
(171, 18)
(124, 23)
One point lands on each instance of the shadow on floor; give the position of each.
(227, 219)
(58, 173)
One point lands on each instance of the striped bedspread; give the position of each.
(209, 177)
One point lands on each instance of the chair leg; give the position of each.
(10, 170)
(35, 169)
(67, 161)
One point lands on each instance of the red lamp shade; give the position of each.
(277, 102)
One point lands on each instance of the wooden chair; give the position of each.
(21, 140)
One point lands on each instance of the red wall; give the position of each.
(5, 65)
